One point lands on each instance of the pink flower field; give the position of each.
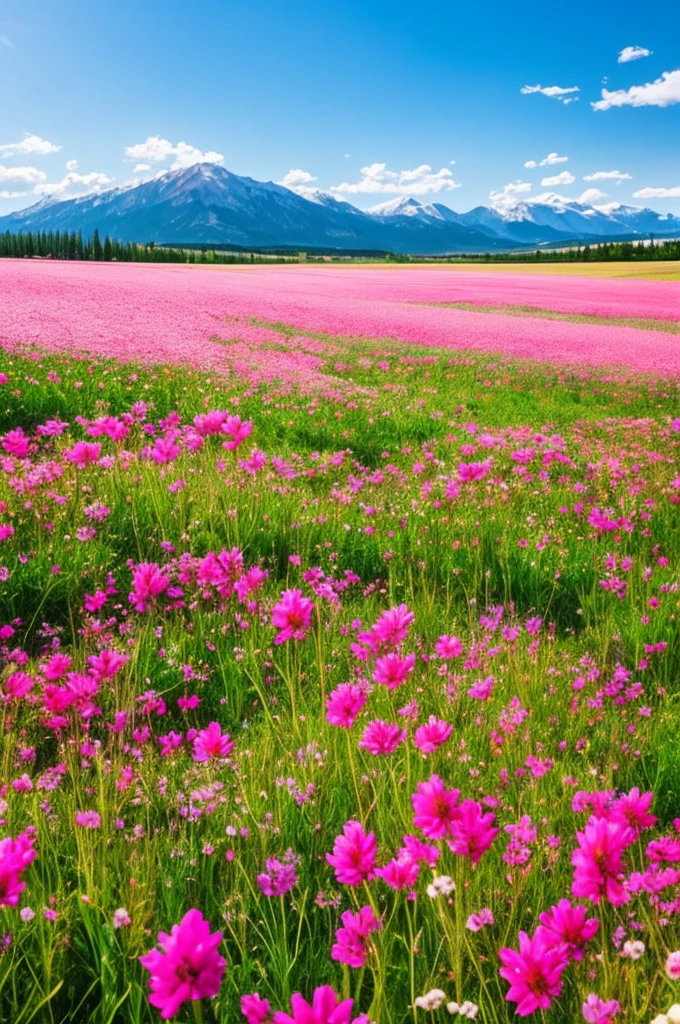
(185, 314)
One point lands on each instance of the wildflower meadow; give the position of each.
(339, 669)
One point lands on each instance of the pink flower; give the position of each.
(392, 627)
(354, 854)
(432, 735)
(88, 819)
(673, 965)
(237, 429)
(211, 743)
(448, 647)
(83, 453)
(324, 1009)
(15, 856)
(6, 531)
(107, 664)
(344, 704)
(350, 941)
(632, 810)
(148, 583)
(18, 684)
(476, 922)
(280, 878)
(472, 831)
(597, 862)
(597, 1011)
(569, 928)
(400, 873)
(381, 737)
(435, 807)
(292, 616)
(534, 973)
(254, 1008)
(392, 670)
(190, 966)
(16, 443)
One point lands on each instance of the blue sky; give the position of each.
(428, 99)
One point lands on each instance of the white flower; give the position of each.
(467, 1009)
(432, 1000)
(673, 1014)
(633, 949)
(442, 885)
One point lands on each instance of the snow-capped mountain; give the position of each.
(208, 204)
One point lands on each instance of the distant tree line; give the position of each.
(70, 245)
(604, 252)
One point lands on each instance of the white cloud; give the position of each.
(74, 184)
(547, 161)
(591, 196)
(12, 195)
(30, 145)
(295, 177)
(629, 53)
(417, 182)
(140, 168)
(71, 165)
(21, 175)
(658, 193)
(555, 92)
(506, 198)
(565, 178)
(608, 176)
(158, 150)
(662, 92)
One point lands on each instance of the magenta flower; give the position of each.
(324, 1009)
(597, 1011)
(15, 856)
(569, 928)
(392, 627)
(189, 966)
(353, 856)
(534, 973)
(211, 743)
(435, 807)
(448, 647)
(18, 684)
(255, 1009)
(148, 583)
(400, 873)
(472, 832)
(392, 670)
(381, 737)
(598, 868)
(83, 453)
(432, 735)
(292, 616)
(350, 946)
(344, 704)
(88, 819)
(279, 879)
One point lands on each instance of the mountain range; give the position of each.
(207, 204)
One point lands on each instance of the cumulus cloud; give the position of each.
(658, 193)
(141, 168)
(629, 53)
(30, 145)
(158, 150)
(71, 165)
(21, 176)
(504, 199)
(295, 178)
(591, 196)
(549, 160)
(74, 184)
(607, 176)
(662, 92)
(565, 178)
(377, 178)
(554, 92)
